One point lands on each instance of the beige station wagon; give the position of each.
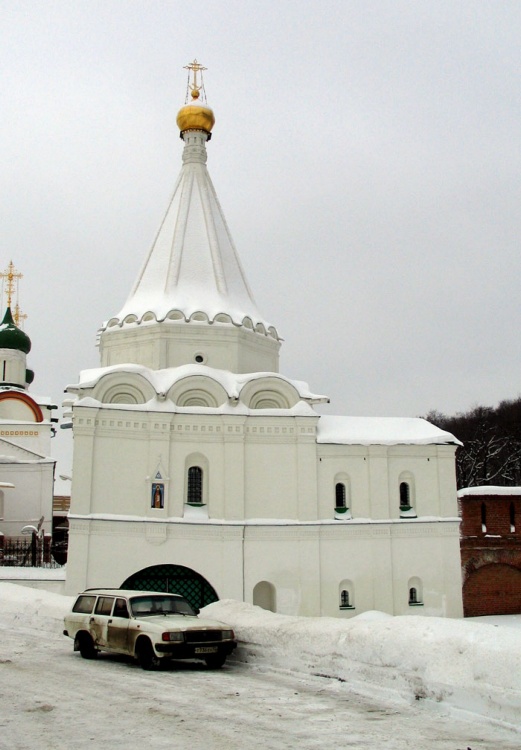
(148, 625)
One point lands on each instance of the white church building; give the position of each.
(198, 467)
(26, 429)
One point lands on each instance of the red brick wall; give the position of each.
(493, 590)
(491, 557)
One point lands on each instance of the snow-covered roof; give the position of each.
(192, 267)
(163, 380)
(489, 490)
(235, 390)
(381, 431)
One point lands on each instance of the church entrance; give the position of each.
(173, 579)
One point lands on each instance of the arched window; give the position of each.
(346, 599)
(406, 491)
(340, 495)
(483, 517)
(512, 518)
(405, 496)
(195, 486)
(342, 490)
(415, 587)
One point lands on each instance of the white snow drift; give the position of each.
(467, 664)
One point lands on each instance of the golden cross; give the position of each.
(11, 274)
(196, 68)
(19, 316)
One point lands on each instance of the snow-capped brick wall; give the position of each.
(491, 550)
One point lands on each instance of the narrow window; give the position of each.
(512, 518)
(413, 596)
(340, 495)
(195, 486)
(405, 495)
(483, 517)
(344, 598)
(346, 595)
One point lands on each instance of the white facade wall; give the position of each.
(269, 493)
(172, 344)
(31, 497)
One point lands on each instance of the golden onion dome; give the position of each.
(195, 117)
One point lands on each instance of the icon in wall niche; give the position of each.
(158, 495)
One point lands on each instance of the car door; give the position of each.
(117, 627)
(98, 623)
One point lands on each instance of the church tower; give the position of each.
(191, 302)
(15, 345)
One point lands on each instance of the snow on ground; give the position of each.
(371, 681)
(466, 664)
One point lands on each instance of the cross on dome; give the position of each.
(12, 276)
(195, 89)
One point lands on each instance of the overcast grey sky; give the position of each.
(366, 155)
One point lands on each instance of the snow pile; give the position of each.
(22, 607)
(467, 665)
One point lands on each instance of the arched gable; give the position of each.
(19, 406)
(269, 393)
(198, 390)
(123, 388)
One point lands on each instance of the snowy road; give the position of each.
(53, 699)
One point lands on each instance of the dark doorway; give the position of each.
(173, 579)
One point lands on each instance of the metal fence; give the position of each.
(27, 553)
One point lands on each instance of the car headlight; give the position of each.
(172, 637)
(228, 635)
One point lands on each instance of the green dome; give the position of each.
(12, 337)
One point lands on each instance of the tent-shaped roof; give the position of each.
(192, 266)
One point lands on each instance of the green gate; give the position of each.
(173, 579)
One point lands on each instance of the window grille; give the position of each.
(195, 485)
(405, 496)
(340, 495)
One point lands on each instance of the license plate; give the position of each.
(206, 650)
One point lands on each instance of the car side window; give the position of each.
(104, 605)
(84, 604)
(120, 608)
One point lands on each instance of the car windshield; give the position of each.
(142, 606)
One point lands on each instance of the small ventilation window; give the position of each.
(199, 358)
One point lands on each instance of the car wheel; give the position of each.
(85, 645)
(216, 661)
(146, 655)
